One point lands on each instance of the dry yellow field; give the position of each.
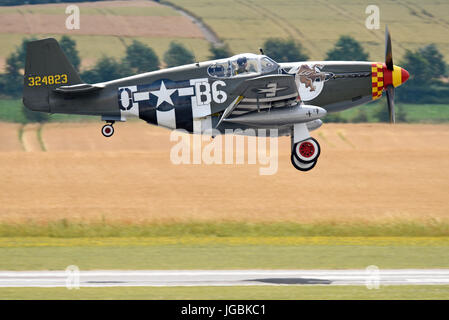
(117, 18)
(9, 133)
(106, 28)
(366, 173)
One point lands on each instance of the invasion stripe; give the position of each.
(148, 114)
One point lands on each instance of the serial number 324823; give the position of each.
(34, 81)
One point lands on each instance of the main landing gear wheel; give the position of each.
(107, 130)
(301, 166)
(306, 151)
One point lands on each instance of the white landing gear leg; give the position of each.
(305, 149)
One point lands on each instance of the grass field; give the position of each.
(246, 24)
(179, 253)
(233, 293)
(205, 252)
(223, 252)
(11, 111)
(279, 232)
(414, 113)
(368, 173)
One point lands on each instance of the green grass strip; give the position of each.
(130, 254)
(68, 229)
(250, 293)
(33, 242)
(20, 134)
(39, 137)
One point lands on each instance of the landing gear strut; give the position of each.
(108, 129)
(305, 149)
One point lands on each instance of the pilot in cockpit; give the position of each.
(242, 65)
(245, 66)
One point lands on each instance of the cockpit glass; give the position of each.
(242, 65)
(267, 65)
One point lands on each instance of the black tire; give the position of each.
(301, 166)
(107, 130)
(303, 159)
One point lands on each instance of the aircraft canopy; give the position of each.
(242, 65)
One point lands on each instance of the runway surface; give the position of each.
(167, 278)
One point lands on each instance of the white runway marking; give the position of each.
(167, 278)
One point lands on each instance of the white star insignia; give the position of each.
(163, 94)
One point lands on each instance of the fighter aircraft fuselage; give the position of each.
(173, 97)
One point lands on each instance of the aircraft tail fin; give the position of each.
(46, 68)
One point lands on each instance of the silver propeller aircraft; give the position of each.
(246, 91)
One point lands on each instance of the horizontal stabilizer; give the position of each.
(78, 89)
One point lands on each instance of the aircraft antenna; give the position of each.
(197, 62)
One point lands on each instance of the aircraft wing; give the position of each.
(261, 93)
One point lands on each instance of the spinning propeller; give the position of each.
(393, 76)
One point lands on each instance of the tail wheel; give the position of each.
(301, 166)
(307, 151)
(107, 130)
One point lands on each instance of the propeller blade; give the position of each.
(388, 52)
(390, 102)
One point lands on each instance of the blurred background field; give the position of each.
(93, 47)
(368, 173)
(246, 24)
(107, 27)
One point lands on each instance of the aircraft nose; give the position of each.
(404, 75)
(394, 77)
